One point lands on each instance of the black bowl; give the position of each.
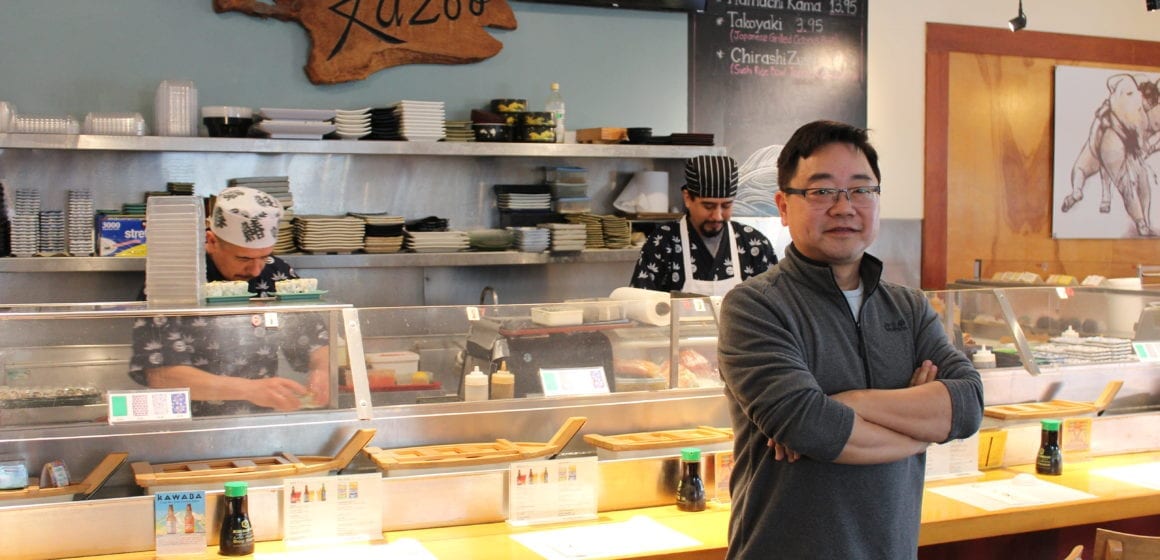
(227, 127)
(640, 135)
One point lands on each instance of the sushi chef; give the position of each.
(704, 252)
(230, 362)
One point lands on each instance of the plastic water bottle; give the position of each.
(555, 105)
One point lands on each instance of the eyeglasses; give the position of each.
(824, 197)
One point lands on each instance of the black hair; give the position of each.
(813, 136)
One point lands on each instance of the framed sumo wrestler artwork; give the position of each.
(1106, 165)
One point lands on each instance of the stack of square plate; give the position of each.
(26, 223)
(490, 239)
(531, 239)
(524, 201)
(414, 121)
(352, 124)
(175, 263)
(384, 233)
(593, 229)
(567, 237)
(277, 186)
(436, 241)
(329, 234)
(80, 223)
(617, 232)
(296, 124)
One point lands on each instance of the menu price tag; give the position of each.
(953, 459)
(552, 491)
(573, 381)
(179, 523)
(136, 406)
(329, 509)
(722, 470)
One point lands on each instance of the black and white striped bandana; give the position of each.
(711, 176)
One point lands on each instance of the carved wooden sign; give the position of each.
(351, 39)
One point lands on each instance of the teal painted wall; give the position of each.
(615, 67)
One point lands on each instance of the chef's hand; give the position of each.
(924, 374)
(319, 386)
(782, 453)
(278, 393)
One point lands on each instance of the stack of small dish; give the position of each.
(296, 124)
(436, 241)
(617, 232)
(352, 124)
(329, 234)
(567, 237)
(490, 239)
(531, 239)
(80, 223)
(593, 228)
(384, 233)
(52, 229)
(5, 226)
(25, 223)
(458, 131)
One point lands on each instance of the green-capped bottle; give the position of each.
(1050, 459)
(691, 489)
(237, 536)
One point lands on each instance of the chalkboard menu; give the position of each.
(762, 68)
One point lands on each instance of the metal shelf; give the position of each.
(386, 148)
(304, 261)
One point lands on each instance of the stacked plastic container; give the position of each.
(175, 108)
(26, 223)
(80, 223)
(175, 263)
(569, 187)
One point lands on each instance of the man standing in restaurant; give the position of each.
(705, 252)
(229, 363)
(836, 380)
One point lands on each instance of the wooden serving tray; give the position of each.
(601, 135)
(1054, 408)
(91, 483)
(701, 435)
(248, 468)
(472, 454)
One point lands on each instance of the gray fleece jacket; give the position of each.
(787, 340)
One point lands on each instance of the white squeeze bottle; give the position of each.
(983, 358)
(503, 383)
(475, 386)
(555, 105)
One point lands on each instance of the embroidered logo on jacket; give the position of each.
(895, 326)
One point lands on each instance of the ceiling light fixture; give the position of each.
(1020, 21)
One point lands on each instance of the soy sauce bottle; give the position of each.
(1050, 459)
(691, 489)
(237, 536)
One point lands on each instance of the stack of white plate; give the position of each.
(52, 234)
(436, 241)
(329, 234)
(567, 237)
(352, 124)
(531, 239)
(80, 223)
(26, 223)
(296, 124)
(175, 263)
(277, 186)
(523, 201)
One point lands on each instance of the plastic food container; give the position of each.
(489, 132)
(536, 134)
(536, 119)
(557, 316)
(401, 365)
(509, 105)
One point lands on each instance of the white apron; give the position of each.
(709, 287)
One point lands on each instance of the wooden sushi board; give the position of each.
(249, 468)
(91, 483)
(1054, 408)
(472, 454)
(601, 135)
(701, 435)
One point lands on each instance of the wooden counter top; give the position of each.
(943, 519)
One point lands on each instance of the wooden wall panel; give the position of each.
(989, 144)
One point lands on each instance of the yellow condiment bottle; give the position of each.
(503, 383)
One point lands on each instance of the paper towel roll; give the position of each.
(647, 191)
(645, 306)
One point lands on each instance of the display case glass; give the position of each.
(60, 362)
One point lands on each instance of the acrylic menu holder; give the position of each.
(552, 491)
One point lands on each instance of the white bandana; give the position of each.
(246, 217)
